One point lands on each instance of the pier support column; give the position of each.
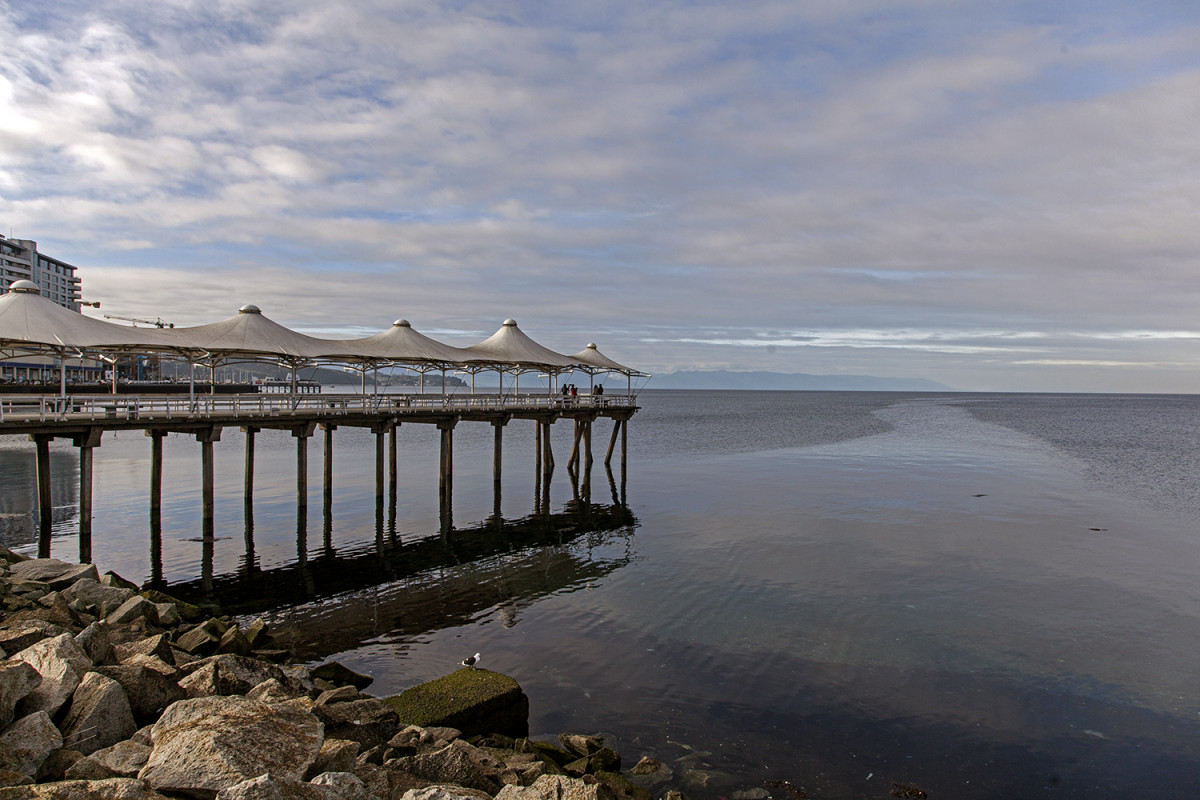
(573, 460)
(86, 442)
(302, 434)
(250, 431)
(380, 430)
(156, 460)
(206, 438)
(393, 456)
(156, 463)
(446, 472)
(45, 507)
(327, 469)
(612, 442)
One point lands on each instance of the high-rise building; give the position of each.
(20, 260)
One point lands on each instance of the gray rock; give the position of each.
(96, 641)
(56, 764)
(341, 694)
(167, 614)
(230, 674)
(459, 763)
(336, 755)
(369, 721)
(345, 785)
(207, 744)
(203, 639)
(135, 608)
(340, 675)
(444, 793)
(274, 787)
(99, 716)
(26, 743)
(149, 690)
(95, 595)
(232, 641)
(158, 646)
(271, 691)
(56, 574)
(9, 557)
(61, 663)
(15, 636)
(121, 760)
(17, 679)
(557, 787)
(110, 789)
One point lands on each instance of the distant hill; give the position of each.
(722, 379)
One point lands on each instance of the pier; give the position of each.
(85, 419)
(33, 327)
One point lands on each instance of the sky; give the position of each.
(997, 195)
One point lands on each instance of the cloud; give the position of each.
(689, 176)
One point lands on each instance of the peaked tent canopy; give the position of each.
(592, 360)
(249, 334)
(401, 344)
(510, 346)
(30, 321)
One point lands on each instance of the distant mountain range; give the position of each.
(723, 379)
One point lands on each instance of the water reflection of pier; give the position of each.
(441, 580)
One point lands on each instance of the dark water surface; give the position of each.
(979, 595)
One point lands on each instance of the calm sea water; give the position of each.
(981, 596)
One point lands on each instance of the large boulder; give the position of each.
(275, 787)
(61, 663)
(445, 793)
(476, 701)
(110, 789)
(207, 744)
(17, 679)
(99, 716)
(16, 635)
(27, 743)
(96, 641)
(158, 646)
(95, 595)
(121, 760)
(149, 690)
(369, 721)
(230, 674)
(54, 573)
(557, 787)
(459, 763)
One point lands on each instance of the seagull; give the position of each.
(470, 661)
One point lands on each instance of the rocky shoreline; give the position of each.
(107, 691)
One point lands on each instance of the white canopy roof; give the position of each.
(592, 360)
(510, 345)
(30, 322)
(401, 344)
(249, 333)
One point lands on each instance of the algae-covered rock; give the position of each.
(476, 701)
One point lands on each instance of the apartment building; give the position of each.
(20, 260)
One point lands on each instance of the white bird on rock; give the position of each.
(470, 661)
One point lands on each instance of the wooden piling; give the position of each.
(45, 507)
(86, 442)
(327, 468)
(156, 464)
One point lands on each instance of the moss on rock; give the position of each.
(475, 701)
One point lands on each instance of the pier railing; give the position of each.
(81, 408)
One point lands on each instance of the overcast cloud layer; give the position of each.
(996, 195)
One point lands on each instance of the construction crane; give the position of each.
(156, 322)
